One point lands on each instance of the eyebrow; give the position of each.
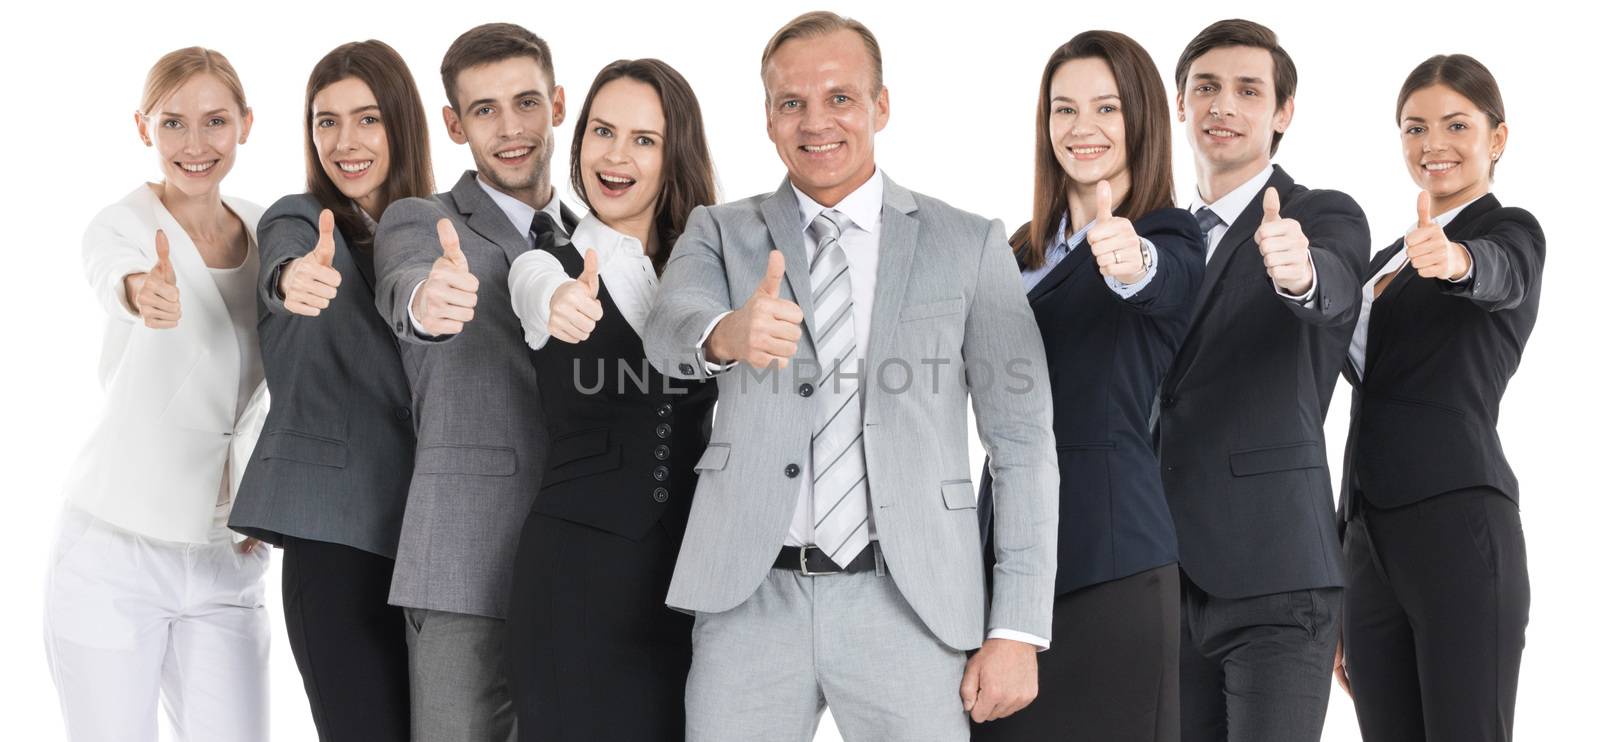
(1068, 99)
(213, 112)
(362, 109)
(1445, 117)
(491, 101)
(609, 125)
(1209, 77)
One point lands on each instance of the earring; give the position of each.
(1494, 156)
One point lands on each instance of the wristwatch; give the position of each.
(1144, 254)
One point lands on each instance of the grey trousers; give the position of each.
(459, 691)
(848, 642)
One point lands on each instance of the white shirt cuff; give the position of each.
(709, 367)
(1306, 298)
(1471, 264)
(1020, 636)
(535, 276)
(411, 315)
(1129, 290)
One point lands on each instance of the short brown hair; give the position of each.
(175, 68)
(820, 23)
(1239, 32)
(488, 43)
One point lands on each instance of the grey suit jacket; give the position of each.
(948, 289)
(481, 438)
(334, 459)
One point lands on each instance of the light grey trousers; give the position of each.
(848, 642)
(459, 690)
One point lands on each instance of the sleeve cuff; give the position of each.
(707, 367)
(411, 316)
(1471, 266)
(1020, 636)
(535, 275)
(1306, 299)
(1129, 290)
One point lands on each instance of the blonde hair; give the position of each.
(820, 23)
(175, 68)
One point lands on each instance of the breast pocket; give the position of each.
(582, 453)
(932, 309)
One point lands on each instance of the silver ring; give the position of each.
(1116, 256)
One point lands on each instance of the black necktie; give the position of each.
(543, 224)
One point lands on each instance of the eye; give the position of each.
(171, 124)
(216, 121)
(790, 105)
(1413, 130)
(1205, 88)
(529, 102)
(644, 141)
(1458, 126)
(1065, 110)
(369, 120)
(603, 132)
(841, 99)
(325, 123)
(1108, 108)
(1249, 91)
(483, 111)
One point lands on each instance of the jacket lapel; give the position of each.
(897, 250)
(781, 212)
(1060, 273)
(485, 218)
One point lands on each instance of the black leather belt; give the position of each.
(811, 561)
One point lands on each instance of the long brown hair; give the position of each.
(404, 124)
(1147, 139)
(687, 180)
(1463, 74)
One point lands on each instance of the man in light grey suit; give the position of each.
(832, 554)
(442, 265)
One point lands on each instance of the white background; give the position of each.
(962, 82)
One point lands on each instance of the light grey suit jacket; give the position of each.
(481, 439)
(948, 289)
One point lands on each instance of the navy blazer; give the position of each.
(1106, 356)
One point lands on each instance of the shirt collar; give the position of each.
(608, 243)
(1066, 242)
(1229, 207)
(863, 207)
(521, 214)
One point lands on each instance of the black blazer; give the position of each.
(334, 459)
(1106, 356)
(623, 437)
(1240, 427)
(1439, 355)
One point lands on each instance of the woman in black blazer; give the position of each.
(595, 652)
(328, 480)
(1111, 270)
(1437, 600)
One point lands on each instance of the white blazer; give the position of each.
(155, 461)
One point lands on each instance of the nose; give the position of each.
(346, 139)
(1080, 128)
(511, 126)
(814, 120)
(1432, 141)
(616, 150)
(1222, 105)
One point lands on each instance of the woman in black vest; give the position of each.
(1111, 270)
(1437, 601)
(328, 480)
(596, 654)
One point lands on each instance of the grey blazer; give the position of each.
(481, 438)
(948, 288)
(334, 459)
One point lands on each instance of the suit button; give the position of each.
(663, 431)
(1167, 400)
(806, 390)
(660, 473)
(791, 471)
(402, 414)
(685, 369)
(662, 452)
(660, 494)
(400, 327)
(664, 410)
(1170, 467)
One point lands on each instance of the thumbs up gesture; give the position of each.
(766, 330)
(575, 306)
(310, 282)
(444, 304)
(155, 293)
(1430, 252)
(1284, 248)
(1116, 246)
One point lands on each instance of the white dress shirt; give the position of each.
(1229, 207)
(521, 216)
(1358, 341)
(629, 276)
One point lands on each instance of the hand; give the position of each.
(1431, 253)
(1338, 667)
(766, 330)
(1001, 679)
(1114, 243)
(444, 305)
(1284, 248)
(250, 544)
(575, 306)
(154, 294)
(310, 282)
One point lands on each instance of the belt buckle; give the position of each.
(807, 572)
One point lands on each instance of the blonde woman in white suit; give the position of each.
(149, 596)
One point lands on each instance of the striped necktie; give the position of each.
(838, 456)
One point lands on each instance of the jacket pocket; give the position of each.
(931, 309)
(958, 495)
(581, 454)
(715, 458)
(289, 445)
(484, 461)
(1308, 455)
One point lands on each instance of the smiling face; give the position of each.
(1449, 145)
(1086, 124)
(822, 113)
(352, 145)
(1230, 106)
(196, 131)
(622, 155)
(508, 116)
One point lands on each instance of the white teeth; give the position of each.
(821, 147)
(1224, 133)
(1088, 150)
(615, 179)
(512, 154)
(1437, 166)
(197, 168)
(355, 167)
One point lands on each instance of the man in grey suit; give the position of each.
(832, 554)
(442, 265)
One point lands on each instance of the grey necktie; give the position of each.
(838, 457)
(1208, 221)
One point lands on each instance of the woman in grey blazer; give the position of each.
(328, 482)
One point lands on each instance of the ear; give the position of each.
(143, 126)
(245, 122)
(452, 124)
(883, 107)
(1179, 106)
(558, 106)
(1497, 141)
(1284, 115)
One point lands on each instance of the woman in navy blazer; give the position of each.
(1111, 270)
(1437, 601)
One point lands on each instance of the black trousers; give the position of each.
(1111, 673)
(1437, 611)
(1257, 669)
(348, 642)
(596, 655)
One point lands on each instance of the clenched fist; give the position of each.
(1116, 246)
(1284, 248)
(310, 282)
(1430, 252)
(766, 330)
(444, 304)
(154, 294)
(575, 306)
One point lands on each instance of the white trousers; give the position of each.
(130, 619)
